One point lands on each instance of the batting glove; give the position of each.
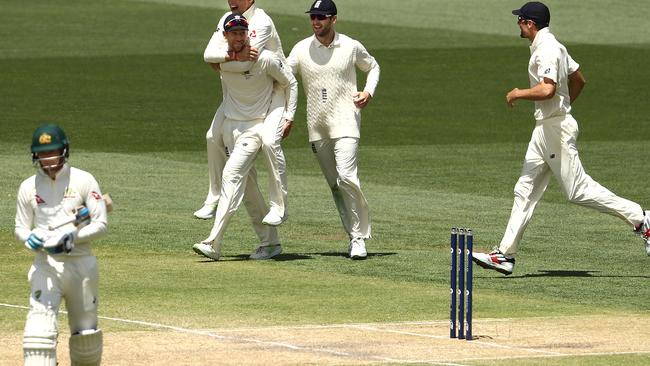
(82, 216)
(62, 242)
(35, 241)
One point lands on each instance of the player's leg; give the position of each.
(81, 299)
(534, 178)
(578, 186)
(256, 207)
(275, 161)
(216, 162)
(41, 330)
(245, 139)
(346, 155)
(324, 152)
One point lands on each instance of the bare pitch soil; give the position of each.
(361, 344)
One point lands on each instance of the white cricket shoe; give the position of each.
(644, 231)
(207, 250)
(357, 249)
(266, 252)
(273, 218)
(495, 260)
(206, 212)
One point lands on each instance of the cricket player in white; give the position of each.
(555, 83)
(64, 266)
(327, 62)
(262, 35)
(246, 102)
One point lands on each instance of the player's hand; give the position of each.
(511, 97)
(36, 240)
(248, 54)
(82, 216)
(60, 242)
(361, 99)
(286, 129)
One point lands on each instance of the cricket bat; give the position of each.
(81, 215)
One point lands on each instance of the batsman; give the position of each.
(59, 211)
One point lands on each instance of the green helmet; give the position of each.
(49, 137)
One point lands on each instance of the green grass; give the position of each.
(439, 149)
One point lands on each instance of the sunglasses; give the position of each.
(319, 16)
(521, 19)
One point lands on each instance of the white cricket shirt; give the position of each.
(550, 59)
(42, 202)
(247, 94)
(329, 79)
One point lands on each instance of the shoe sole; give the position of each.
(204, 217)
(199, 252)
(268, 257)
(359, 257)
(487, 266)
(271, 223)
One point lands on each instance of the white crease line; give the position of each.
(208, 334)
(364, 326)
(555, 356)
(471, 342)
(419, 362)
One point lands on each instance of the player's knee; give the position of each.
(346, 181)
(86, 348)
(232, 176)
(40, 338)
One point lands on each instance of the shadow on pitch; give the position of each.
(570, 273)
(290, 257)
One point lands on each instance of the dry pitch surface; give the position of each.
(362, 344)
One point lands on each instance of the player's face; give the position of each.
(239, 6)
(525, 26)
(322, 25)
(237, 39)
(51, 161)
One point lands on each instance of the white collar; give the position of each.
(335, 41)
(541, 35)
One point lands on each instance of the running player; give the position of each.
(555, 83)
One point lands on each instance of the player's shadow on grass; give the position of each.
(345, 254)
(279, 258)
(289, 257)
(570, 273)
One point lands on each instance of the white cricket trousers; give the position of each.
(271, 150)
(552, 151)
(52, 279)
(73, 278)
(338, 162)
(242, 140)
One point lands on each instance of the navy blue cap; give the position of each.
(535, 11)
(235, 21)
(322, 7)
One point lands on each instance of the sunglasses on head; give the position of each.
(236, 22)
(319, 16)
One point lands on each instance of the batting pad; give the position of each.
(39, 339)
(86, 348)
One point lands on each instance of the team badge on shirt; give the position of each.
(547, 71)
(39, 200)
(252, 34)
(96, 195)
